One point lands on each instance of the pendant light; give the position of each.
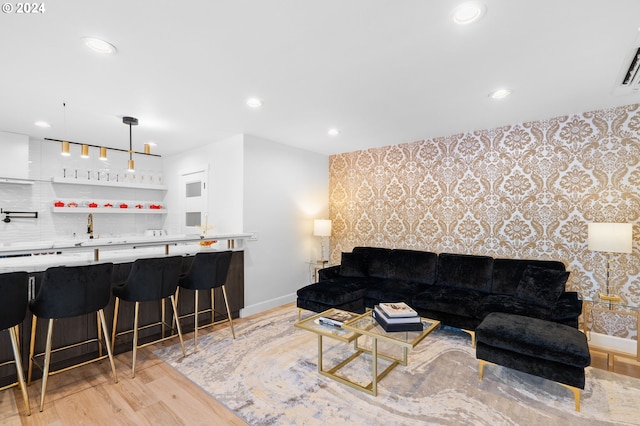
(84, 151)
(65, 145)
(103, 153)
(65, 149)
(131, 121)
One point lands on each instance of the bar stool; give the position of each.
(13, 310)
(68, 292)
(154, 279)
(208, 272)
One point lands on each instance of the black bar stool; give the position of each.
(154, 279)
(208, 272)
(68, 292)
(13, 310)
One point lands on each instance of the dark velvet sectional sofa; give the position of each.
(524, 318)
(459, 290)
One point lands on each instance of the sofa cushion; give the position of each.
(375, 260)
(413, 265)
(541, 286)
(333, 292)
(458, 301)
(352, 265)
(390, 291)
(465, 271)
(507, 273)
(511, 305)
(535, 337)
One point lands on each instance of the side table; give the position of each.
(317, 265)
(597, 306)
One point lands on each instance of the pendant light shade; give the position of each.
(147, 148)
(84, 151)
(131, 121)
(65, 149)
(103, 153)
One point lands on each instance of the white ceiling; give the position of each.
(382, 71)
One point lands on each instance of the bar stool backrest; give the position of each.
(14, 297)
(208, 270)
(152, 279)
(69, 291)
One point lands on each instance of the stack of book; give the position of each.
(397, 317)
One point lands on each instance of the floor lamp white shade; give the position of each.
(610, 238)
(322, 229)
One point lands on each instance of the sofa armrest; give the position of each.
(568, 307)
(328, 273)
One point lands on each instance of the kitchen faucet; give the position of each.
(90, 226)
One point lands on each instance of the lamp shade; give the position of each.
(610, 237)
(322, 228)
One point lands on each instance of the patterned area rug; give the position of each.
(268, 376)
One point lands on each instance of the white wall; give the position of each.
(285, 188)
(224, 161)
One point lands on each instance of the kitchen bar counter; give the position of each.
(33, 258)
(40, 255)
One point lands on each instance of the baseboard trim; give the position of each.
(613, 343)
(266, 305)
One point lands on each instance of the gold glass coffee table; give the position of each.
(365, 325)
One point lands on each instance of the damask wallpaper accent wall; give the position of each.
(521, 191)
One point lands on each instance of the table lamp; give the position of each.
(322, 229)
(610, 238)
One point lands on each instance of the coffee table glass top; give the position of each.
(365, 324)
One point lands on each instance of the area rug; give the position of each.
(268, 376)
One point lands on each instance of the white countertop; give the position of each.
(45, 254)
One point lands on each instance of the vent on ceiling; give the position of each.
(632, 77)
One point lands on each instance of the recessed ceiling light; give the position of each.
(500, 93)
(333, 132)
(254, 103)
(42, 124)
(99, 46)
(468, 12)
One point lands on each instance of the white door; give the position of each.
(194, 215)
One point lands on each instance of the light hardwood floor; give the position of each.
(157, 396)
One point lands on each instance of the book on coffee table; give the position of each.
(397, 309)
(409, 324)
(336, 317)
(395, 320)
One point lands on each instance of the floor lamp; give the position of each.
(322, 229)
(610, 238)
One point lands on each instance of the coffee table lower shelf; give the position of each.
(365, 325)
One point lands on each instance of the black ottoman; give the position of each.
(542, 348)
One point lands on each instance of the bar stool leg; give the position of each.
(103, 323)
(14, 335)
(162, 325)
(175, 313)
(115, 323)
(135, 339)
(195, 328)
(226, 302)
(99, 330)
(47, 360)
(32, 345)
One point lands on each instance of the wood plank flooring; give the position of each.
(157, 396)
